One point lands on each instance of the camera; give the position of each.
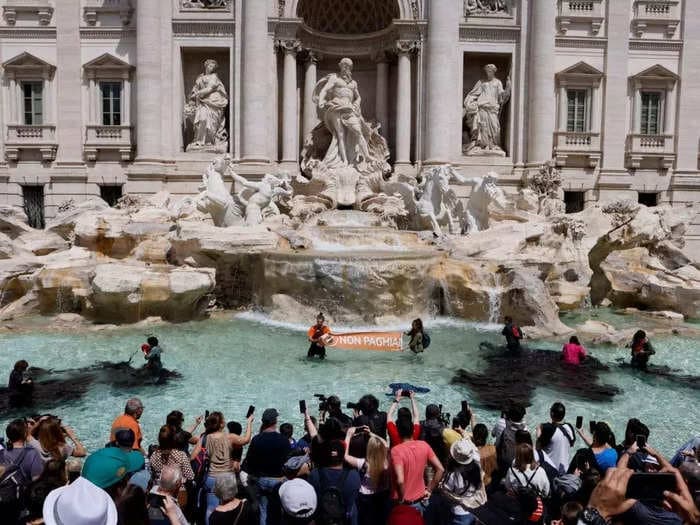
(353, 406)
(445, 417)
(322, 402)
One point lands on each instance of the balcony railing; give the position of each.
(578, 144)
(115, 138)
(28, 137)
(640, 147)
(580, 11)
(664, 13)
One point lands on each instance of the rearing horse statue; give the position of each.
(437, 205)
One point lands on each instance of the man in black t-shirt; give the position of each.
(266, 456)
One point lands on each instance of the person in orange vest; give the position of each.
(316, 333)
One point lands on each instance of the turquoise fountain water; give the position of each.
(228, 364)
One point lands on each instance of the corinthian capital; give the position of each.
(289, 45)
(403, 47)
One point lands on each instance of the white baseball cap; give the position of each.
(298, 498)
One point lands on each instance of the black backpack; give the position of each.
(13, 483)
(426, 340)
(551, 471)
(331, 504)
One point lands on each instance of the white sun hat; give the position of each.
(80, 503)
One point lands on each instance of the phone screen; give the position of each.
(591, 426)
(302, 406)
(579, 422)
(650, 486)
(251, 409)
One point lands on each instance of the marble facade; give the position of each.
(92, 91)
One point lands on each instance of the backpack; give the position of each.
(551, 471)
(13, 483)
(200, 464)
(505, 447)
(431, 433)
(331, 504)
(426, 340)
(516, 332)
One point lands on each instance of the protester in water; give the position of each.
(154, 363)
(18, 377)
(513, 335)
(573, 352)
(416, 334)
(641, 350)
(316, 333)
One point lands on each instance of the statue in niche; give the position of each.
(344, 150)
(205, 4)
(206, 108)
(258, 200)
(482, 111)
(484, 7)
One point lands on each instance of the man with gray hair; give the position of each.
(129, 420)
(162, 500)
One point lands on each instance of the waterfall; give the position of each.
(494, 294)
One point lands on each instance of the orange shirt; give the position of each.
(126, 421)
(324, 330)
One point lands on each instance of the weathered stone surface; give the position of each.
(64, 281)
(13, 221)
(42, 242)
(64, 222)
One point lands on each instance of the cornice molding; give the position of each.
(581, 43)
(489, 33)
(204, 28)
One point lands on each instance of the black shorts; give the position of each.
(316, 350)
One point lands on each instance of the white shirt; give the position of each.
(559, 448)
(539, 481)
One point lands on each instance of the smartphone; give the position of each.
(156, 501)
(579, 422)
(641, 441)
(465, 406)
(302, 406)
(251, 409)
(650, 486)
(406, 393)
(591, 426)
(206, 414)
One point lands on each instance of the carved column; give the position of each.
(255, 60)
(403, 102)
(443, 100)
(290, 108)
(563, 109)
(148, 77)
(310, 79)
(541, 118)
(382, 92)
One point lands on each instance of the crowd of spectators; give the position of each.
(368, 467)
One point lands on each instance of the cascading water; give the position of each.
(494, 294)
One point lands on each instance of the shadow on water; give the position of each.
(515, 377)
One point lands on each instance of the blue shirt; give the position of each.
(606, 459)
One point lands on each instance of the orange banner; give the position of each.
(379, 341)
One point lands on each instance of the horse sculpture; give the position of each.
(437, 205)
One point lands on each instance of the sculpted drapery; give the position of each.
(206, 108)
(482, 112)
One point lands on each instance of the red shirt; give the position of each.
(573, 354)
(413, 456)
(394, 438)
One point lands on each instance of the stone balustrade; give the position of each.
(26, 137)
(108, 138)
(580, 11)
(577, 144)
(665, 13)
(640, 147)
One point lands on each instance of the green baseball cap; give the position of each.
(109, 465)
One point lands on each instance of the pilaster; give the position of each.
(310, 79)
(688, 129)
(290, 108)
(382, 92)
(148, 80)
(404, 49)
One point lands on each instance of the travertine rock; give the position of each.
(42, 242)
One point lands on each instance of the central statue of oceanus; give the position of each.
(344, 151)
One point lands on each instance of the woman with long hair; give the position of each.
(415, 344)
(463, 484)
(641, 350)
(573, 353)
(48, 436)
(168, 454)
(602, 444)
(526, 473)
(373, 502)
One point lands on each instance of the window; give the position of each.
(34, 205)
(111, 103)
(33, 104)
(648, 199)
(651, 113)
(111, 194)
(576, 117)
(574, 201)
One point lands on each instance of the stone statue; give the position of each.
(344, 150)
(485, 195)
(206, 4)
(482, 112)
(206, 108)
(546, 184)
(258, 200)
(484, 7)
(215, 198)
(437, 205)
